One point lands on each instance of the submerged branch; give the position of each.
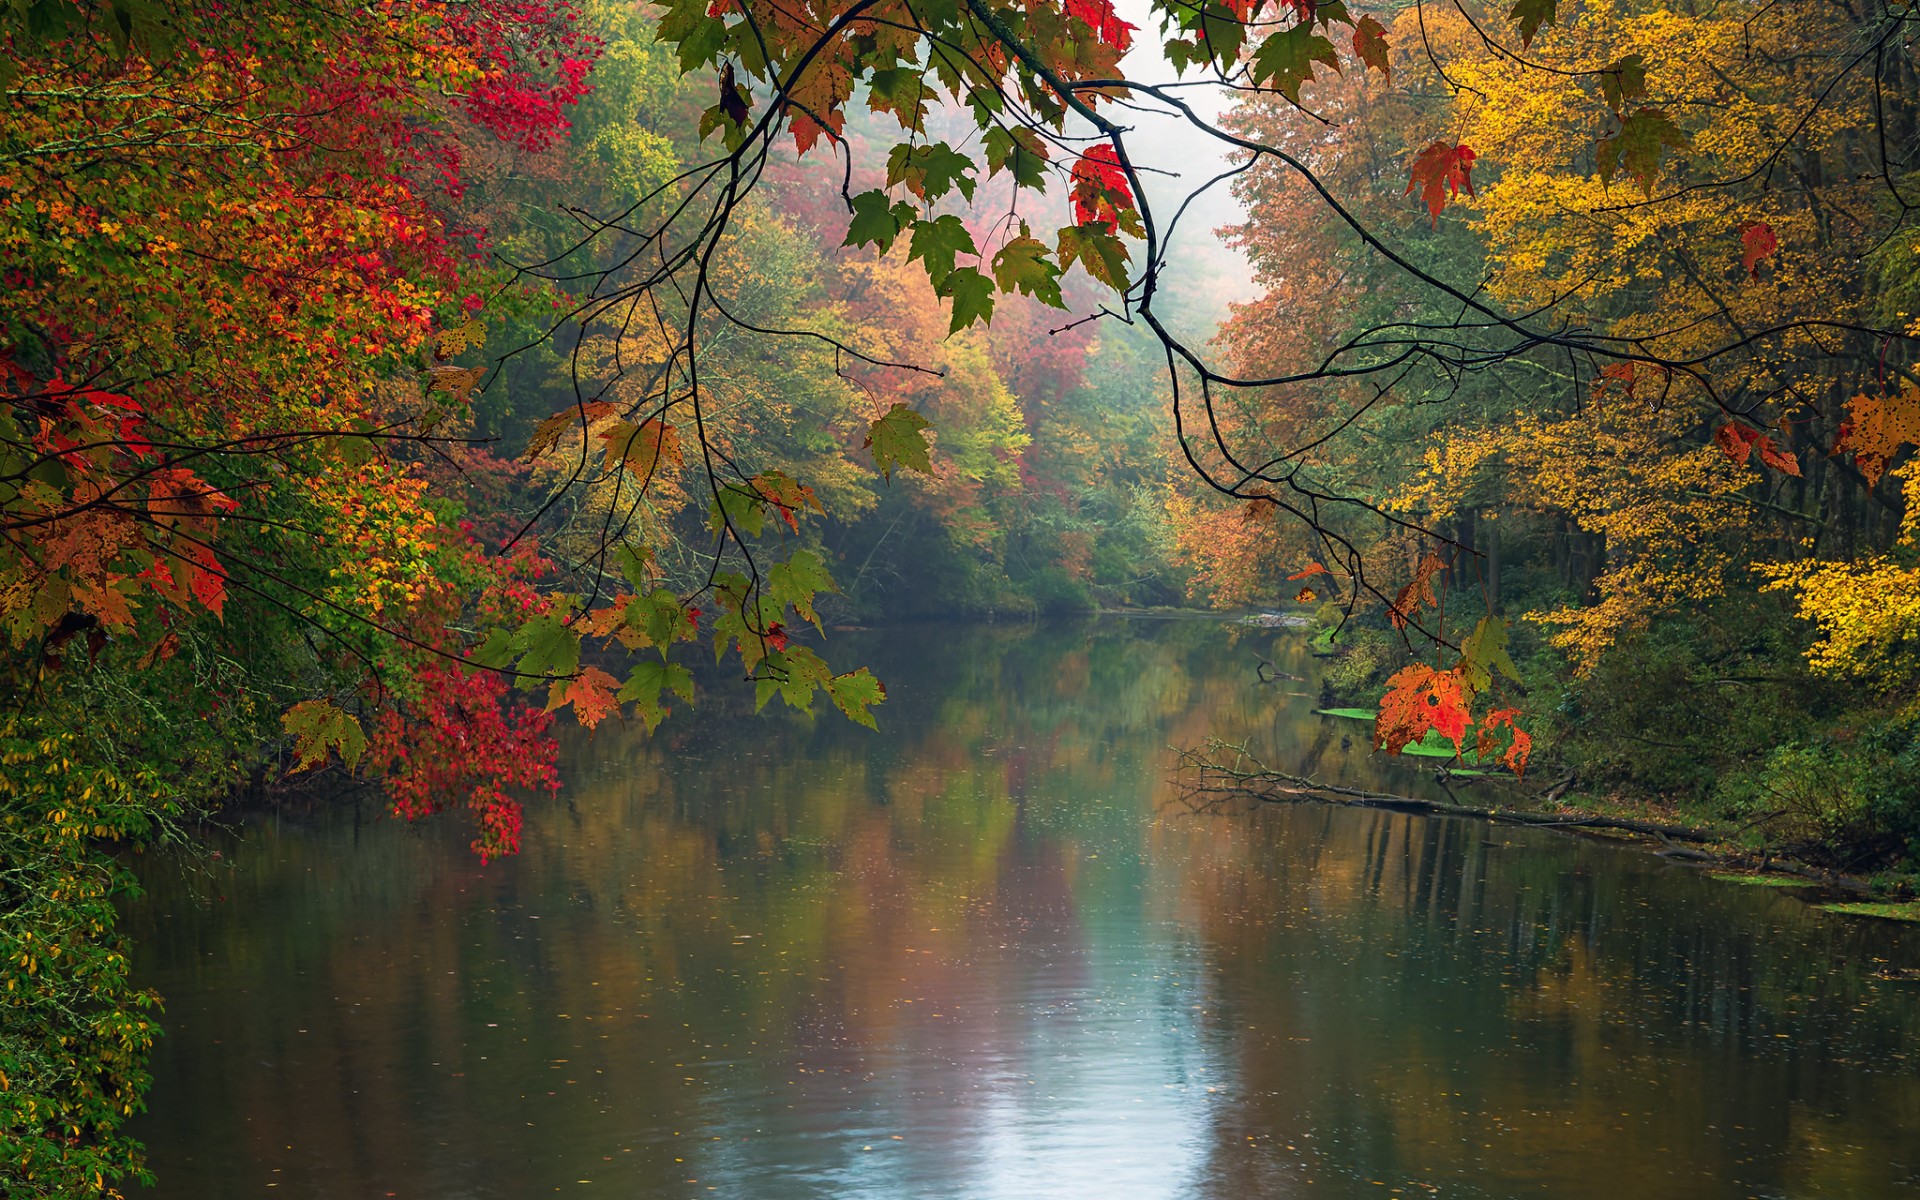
(1209, 774)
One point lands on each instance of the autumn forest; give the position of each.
(400, 400)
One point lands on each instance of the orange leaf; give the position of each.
(590, 693)
(1417, 592)
(1878, 427)
(1441, 169)
(1308, 572)
(1757, 241)
(1305, 596)
(1420, 698)
(1488, 741)
(1777, 458)
(1736, 440)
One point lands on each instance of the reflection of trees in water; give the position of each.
(745, 930)
(1542, 1011)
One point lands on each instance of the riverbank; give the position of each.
(1219, 771)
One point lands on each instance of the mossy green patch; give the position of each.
(1776, 881)
(1353, 714)
(1908, 910)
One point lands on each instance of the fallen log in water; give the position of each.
(1247, 776)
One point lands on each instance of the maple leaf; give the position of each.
(1484, 652)
(877, 220)
(798, 580)
(1370, 46)
(1309, 571)
(642, 448)
(854, 692)
(1020, 152)
(930, 171)
(899, 439)
(1420, 698)
(1101, 195)
(1757, 242)
(1777, 458)
(938, 243)
(777, 635)
(972, 296)
(1519, 749)
(590, 693)
(1305, 595)
(1103, 255)
(318, 726)
(1022, 264)
(1285, 59)
(645, 686)
(1532, 14)
(1739, 441)
(1625, 374)
(1419, 590)
(788, 495)
(1639, 146)
(1877, 427)
(1736, 440)
(546, 435)
(1099, 15)
(1441, 169)
(1623, 81)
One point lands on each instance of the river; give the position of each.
(990, 953)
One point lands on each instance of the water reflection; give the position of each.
(988, 955)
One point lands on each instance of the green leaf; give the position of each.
(972, 296)
(1624, 81)
(1532, 14)
(1484, 651)
(740, 508)
(547, 646)
(635, 564)
(1285, 59)
(930, 171)
(1101, 253)
(876, 220)
(937, 243)
(661, 617)
(1020, 152)
(899, 440)
(852, 693)
(1638, 148)
(795, 674)
(1023, 264)
(647, 682)
(318, 726)
(901, 91)
(798, 580)
(494, 653)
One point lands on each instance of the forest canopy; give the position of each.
(385, 382)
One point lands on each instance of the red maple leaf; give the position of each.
(1440, 170)
(1100, 189)
(1488, 742)
(1105, 23)
(1757, 241)
(1420, 698)
(1309, 572)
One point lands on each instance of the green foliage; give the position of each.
(74, 1031)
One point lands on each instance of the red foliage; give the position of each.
(1100, 189)
(1440, 170)
(463, 737)
(1104, 21)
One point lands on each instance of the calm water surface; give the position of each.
(990, 954)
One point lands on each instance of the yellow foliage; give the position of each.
(1867, 610)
